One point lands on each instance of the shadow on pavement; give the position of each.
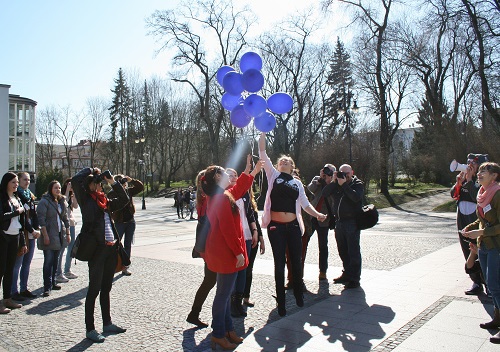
(341, 324)
(48, 305)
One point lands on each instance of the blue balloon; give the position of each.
(255, 105)
(221, 72)
(229, 101)
(280, 103)
(265, 122)
(250, 60)
(252, 80)
(232, 83)
(239, 118)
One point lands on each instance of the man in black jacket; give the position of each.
(347, 192)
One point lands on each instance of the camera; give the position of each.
(340, 174)
(327, 171)
(102, 176)
(123, 180)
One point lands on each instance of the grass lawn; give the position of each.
(403, 193)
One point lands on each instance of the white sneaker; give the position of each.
(61, 278)
(70, 275)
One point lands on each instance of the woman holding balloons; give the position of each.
(282, 216)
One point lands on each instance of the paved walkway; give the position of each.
(411, 297)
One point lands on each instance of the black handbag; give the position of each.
(367, 217)
(202, 230)
(84, 247)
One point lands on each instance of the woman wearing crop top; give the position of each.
(282, 216)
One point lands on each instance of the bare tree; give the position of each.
(96, 127)
(186, 29)
(294, 64)
(45, 139)
(67, 124)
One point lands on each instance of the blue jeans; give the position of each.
(127, 228)
(241, 279)
(322, 245)
(67, 264)
(221, 308)
(347, 236)
(282, 235)
(22, 269)
(50, 257)
(490, 265)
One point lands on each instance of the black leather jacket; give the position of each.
(347, 199)
(92, 214)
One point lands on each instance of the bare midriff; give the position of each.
(282, 216)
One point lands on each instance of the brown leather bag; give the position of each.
(26, 243)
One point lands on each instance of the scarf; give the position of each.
(485, 195)
(100, 198)
(24, 192)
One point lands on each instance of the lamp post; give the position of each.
(143, 165)
(346, 109)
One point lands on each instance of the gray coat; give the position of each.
(48, 217)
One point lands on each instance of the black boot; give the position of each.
(194, 318)
(280, 301)
(297, 292)
(494, 323)
(237, 309)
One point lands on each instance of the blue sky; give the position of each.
(60, 53)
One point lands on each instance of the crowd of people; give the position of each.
(229, 234)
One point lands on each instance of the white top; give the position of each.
(466, 208)
(272, 174)
(244, 221)
(15, 225)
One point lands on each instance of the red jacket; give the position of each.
(225, 240)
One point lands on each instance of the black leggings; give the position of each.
(201, 295)
(8, 254)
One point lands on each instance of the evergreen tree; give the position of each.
(341, 83)
(120, 114)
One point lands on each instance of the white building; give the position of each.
(18, 140)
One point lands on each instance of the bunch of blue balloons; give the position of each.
(241, 96)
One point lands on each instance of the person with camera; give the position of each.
(97, 227)
(316, 187)
(124, 218)
(464, 191)
(347, 192)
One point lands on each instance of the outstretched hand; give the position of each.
(258, 167)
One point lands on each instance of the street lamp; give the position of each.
(346, 110)
(143, 165)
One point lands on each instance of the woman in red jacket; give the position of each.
(225, 250)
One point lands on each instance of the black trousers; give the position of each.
(462, 221)
(101, 272)
(8, 254)
(281, 236)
